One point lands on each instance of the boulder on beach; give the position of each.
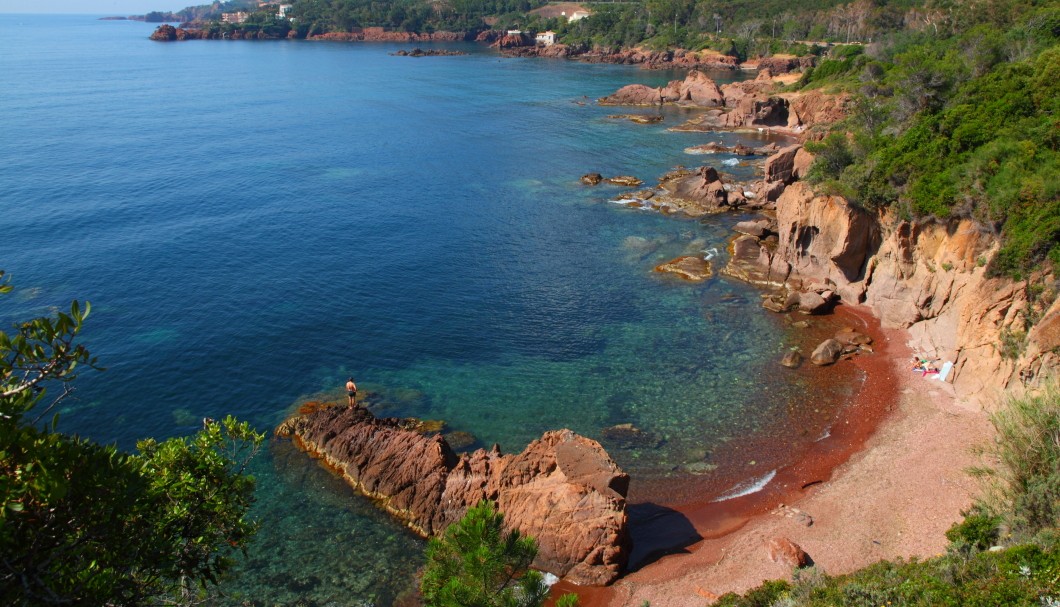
(792, 359)
(827, 353)
(849, 337)
(786, 552)
(813, 303)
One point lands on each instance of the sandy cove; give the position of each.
(894, 481)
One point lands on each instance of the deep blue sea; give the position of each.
(255, 221)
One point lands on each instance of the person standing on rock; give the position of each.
(351, 392)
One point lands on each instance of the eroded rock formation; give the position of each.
(697, 89)
(926, 276)
(563, 489)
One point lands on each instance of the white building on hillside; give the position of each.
(546, 38)
(237, 17)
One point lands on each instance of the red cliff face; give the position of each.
(563, 489)
(926, 276)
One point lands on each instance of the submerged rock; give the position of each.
(460, 440)
(792, 359)
(626, 180)
(563, 489)
(691, 268)
(637, 118)
(628, 436)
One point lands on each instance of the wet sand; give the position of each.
(887, 483)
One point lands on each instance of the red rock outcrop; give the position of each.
(756, 104)
(634, 94)
(782, 64)
(786, 552)
(781, 166)
(164, 33)
(697, 89)
(563, 489)
(693, 193)
(649, 59)
(927, 276)
(513, 41)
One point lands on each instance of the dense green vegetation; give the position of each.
(475, 563)
(1020, 516)
(959, 126)
(87, 524)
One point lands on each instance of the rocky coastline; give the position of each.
(922, 280)
(923, 283)
(924, 276)
(196, 31)
(563, 489)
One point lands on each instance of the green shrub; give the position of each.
(1025, 482)
(979, 530)
(475, 563)
(765, 595)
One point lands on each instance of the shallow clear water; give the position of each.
(253, 222)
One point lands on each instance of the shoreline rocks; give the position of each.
(739, 105)
(563, 489)
(690, 268)
(418, 52)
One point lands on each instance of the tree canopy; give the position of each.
(476, 563)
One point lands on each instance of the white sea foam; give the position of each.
(747, 487)
(549, 579)
(731, 162)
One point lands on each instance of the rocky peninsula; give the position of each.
(563, 489)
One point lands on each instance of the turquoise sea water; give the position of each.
(254, 221)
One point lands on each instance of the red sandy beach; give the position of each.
(886, 483)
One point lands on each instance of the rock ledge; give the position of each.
(563, 489)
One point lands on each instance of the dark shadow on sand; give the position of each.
(657, 531)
